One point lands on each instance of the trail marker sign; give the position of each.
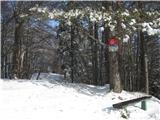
(113, 44)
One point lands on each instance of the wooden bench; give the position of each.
(128, 102)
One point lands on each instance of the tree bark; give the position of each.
(106, 54)
(146, 75)
(142, 63)
(17, 48)
(95, 54)
(115, 82)
(72, 54)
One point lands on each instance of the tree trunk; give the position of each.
(142, 63)
(115, 82)
(146, 75)
(95, 56)
(72, 54)
(106, 54)
(17, 48)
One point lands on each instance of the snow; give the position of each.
(23, 15)
(33, 9)
(149, 29)
(49, 99)
(133, 21)
(125, 13)
(126, 38)
(123, 25)
(101, 29)
(48, 76)
(51, 15)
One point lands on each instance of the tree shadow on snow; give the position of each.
(90, 90)
(109, 109)
(86, 89)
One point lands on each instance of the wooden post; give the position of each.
(143, 105)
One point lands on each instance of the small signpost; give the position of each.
(114, 76)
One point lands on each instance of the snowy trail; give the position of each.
(42, 100)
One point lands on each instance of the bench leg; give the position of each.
(144, 105)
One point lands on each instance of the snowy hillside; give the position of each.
(45, 100)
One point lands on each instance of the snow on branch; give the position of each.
(128, 17)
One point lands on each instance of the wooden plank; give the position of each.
(128, 102)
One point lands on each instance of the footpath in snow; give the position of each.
(53, 100)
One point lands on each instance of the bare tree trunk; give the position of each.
(106, 36)
(138, 62)
(3, 53)
(92, 51)
(72, 54)
(17, 48)
(142, 63)
(106, 54)
(115, 82)
(101, 65)
(146, 75)
(95, 54)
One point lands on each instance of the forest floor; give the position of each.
(49, 99)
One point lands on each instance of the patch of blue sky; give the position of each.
(53, 23)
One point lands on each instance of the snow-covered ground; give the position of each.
(48, 76)
(53, 100)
